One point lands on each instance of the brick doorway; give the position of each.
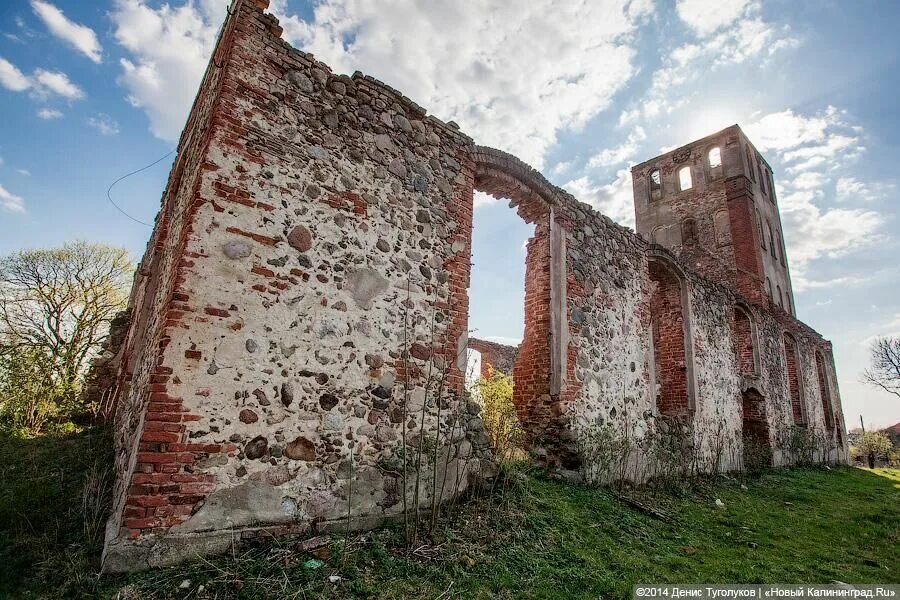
(755, 431)
(538, 371)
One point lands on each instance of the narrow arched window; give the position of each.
(762, 183)
(655, 184)
(750, 169)
(781, 250)
(715, 158)
(792, 372)
(689, 232)
(722, 225)
(769, 287)
(684, 179)
(762, 233)
(771, 240)
(778, 299)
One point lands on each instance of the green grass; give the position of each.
(541, 539)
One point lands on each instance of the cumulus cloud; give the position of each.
(49, 114)
(12, 78)
(169, 48)
(481, 199)
(105, 124)
(511, 74)
(706, 16)
(810, 147)
(10, 202)
(46, 83)
(614, 199)
(80, 37)
(725, 39)
(41, 84)
(848, 189)
(614, 156)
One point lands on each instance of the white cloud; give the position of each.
(169, 49)
(105, 124)
(614, 156)
(42, 83)
(80, 37)
(481, 199)
(10, 202)
(615, 199)
(24, 172)
(561, 168)
(850, 188)
(49, 113)
(813, 146)
(512, 74)
(707, 16)
(731, 32)
(46, 82)
(12, 78)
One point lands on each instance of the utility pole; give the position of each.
(861, 425)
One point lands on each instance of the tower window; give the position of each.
(655, 181)
(750, 164)
(689, 232)
(684, 179)
(715, 158)
(762, 234)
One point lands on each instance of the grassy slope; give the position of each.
(544, 539)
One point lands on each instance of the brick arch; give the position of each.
(672, 352)
(792, 373)
(540, 367)
(744, 339)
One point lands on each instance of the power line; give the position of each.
(127, 175)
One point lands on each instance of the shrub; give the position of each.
(499, 414)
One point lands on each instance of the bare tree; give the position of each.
(59, 302)
(885, 370)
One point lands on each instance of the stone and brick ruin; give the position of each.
(298, 324)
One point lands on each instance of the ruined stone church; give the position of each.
(298, 325)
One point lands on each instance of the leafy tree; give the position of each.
(885, 370)
(871, 445)
(499, 413)
(55, 309)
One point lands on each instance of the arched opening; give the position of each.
(689, 232)
(751, 171)
(824, 392)
(762, 233)
(722, 226)
(540, 362)
(715, 158)
(685, 182)
(671, 339)
(795, 392)
(744, 332)
(655, 185)
(755, 431)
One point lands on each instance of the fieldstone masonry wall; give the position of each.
(299, 322)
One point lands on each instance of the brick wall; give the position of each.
(793, 381)
(494, 356)
(743, 342)
(302, 312)
(667, 310)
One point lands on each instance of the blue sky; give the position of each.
(92, 90)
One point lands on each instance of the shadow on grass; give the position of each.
(539, 538)
(54, 498)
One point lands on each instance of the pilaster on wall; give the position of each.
(745, 239)
(531, 374)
